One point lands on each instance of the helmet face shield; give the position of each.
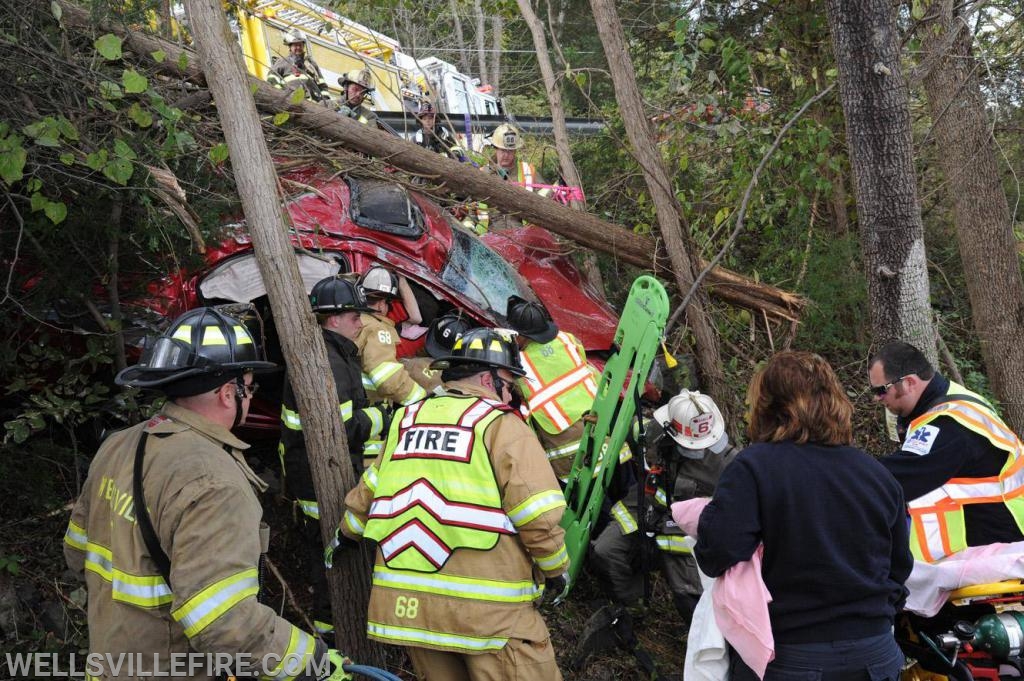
(168, 354)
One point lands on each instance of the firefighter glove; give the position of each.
(337, 671)
(339, 540)
(555, 589)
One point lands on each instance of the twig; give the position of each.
(743, 208)
(288, 593)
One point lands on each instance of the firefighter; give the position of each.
(686, 451)
(167, 531)
(441, 336)
(465, 512)
(356, 86)
(435, 137)
(948, 432)
(338, 305)
(507, 141)
(559, 386)
(297, 69)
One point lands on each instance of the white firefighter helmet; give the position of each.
(506, 137)
(361, 77)
(693, 420)
(292, 37)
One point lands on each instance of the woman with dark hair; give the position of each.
(832, 521)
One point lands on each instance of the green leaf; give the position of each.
(97, 159)
(110, 90)
(917, 10)
(706, 44)
(109, 46)
(183, 61)
(34, 184)
(12, 160)
(281, 118)
(142, 118)
(37, 202)
(122, 150)
(56, 211)
(297, 95)
(581, 78)
(56, 10)
(67, 158)
(134, 82)
(185, 141)
(67, 128)
(119, 170)
(219, 153)
(721, 216)
(158, 56)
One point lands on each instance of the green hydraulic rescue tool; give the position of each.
(636, 343)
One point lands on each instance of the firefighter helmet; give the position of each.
(426, 108)
(335, 295)
(203, 342)
(530, 319)
(506, 137)
(693, 420)
(379, 281)
(443, 333)
(292, 37)
(487, 348)
(359, 77)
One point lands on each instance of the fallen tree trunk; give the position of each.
(584, 228)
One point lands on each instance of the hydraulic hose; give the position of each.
(369, 672)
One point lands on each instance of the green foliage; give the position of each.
(11, 563)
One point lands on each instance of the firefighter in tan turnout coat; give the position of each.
(465, 511)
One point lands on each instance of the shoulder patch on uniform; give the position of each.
(920, 441)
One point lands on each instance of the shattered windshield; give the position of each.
(481, 275)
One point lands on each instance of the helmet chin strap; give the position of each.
(239, 388)
(516, 399)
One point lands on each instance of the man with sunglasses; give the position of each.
(959, 461)
(168, 532)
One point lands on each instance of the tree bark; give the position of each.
(875, 105)
(497, 38)
(586, 229)
(681, 252)
(301, 340)
(565, 160)
(481, 40)
(457, 24)
(984, 228)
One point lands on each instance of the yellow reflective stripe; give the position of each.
(554, 561)
(354, 525)
(673, 543)
(383, 372)
(415, 395)
(183, 333)
(661, 497)
(309, 508)
(376, 419)
(346, 410)
(75, 536)
(518, 591)
(290, 419)
(323, 627)
(212, 335)
(624, 518)
(370, 478)
(242, 336)
(367, 383)
(563, 451)
(371, 448)
(295, 659)
(146, 591)
(205, 607)
(412, 635)
(536, 505)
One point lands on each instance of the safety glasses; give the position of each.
(881, 390)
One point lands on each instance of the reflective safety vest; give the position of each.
(526, 177)
(559, 385)
(435, 491)
(937, 518)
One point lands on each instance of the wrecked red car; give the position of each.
(346, 224)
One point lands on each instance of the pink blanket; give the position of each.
(929, 584)
(739, 598)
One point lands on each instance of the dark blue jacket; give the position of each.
(834, 527)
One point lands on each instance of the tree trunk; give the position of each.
(457, 23)
(681, 252)
(969, 162)
(585, 229)
(481, 38)
(497, 38)
(874, 98)
(301, 341)
(565, 160)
